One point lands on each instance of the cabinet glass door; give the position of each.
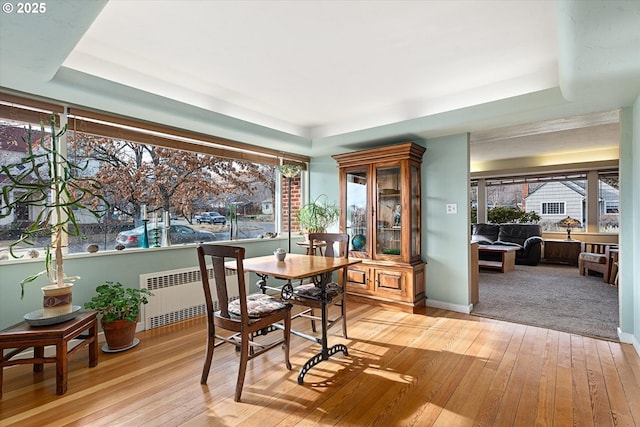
(356, 224)
(389, 212)
(415, 209)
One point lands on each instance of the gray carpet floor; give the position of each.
(550, 296)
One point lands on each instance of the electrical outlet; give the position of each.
(452, 208)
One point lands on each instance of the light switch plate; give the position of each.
(452, 208)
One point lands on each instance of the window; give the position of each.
(156, 174)
(553, 208)
(553, 197)
(175, 186)
(609, 208)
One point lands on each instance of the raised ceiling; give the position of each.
(316, 77)
(314, 68)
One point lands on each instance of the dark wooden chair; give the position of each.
(245, 316)
(309, 294)
(595, 257)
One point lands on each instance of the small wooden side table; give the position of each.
(507, 257)
(22, 336)
(561, 251)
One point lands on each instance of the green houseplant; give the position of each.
(318, 215)
(119, 308)
(54, 190)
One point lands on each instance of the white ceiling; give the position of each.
(314, 68)
(320, 77)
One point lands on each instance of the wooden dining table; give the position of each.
(297, 267)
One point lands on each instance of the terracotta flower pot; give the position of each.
(119, 333)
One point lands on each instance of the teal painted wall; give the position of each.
(634, 261)
(630, 225)
(445, 180)
(324, 179)
(628, 245)
(124, 267)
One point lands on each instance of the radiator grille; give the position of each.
(178, 295)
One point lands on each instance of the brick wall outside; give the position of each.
(295, 203)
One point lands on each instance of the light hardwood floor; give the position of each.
(439, 368)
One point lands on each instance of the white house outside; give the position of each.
(554, 201)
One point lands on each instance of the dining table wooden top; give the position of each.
(294, 266)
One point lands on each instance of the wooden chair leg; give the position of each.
(343, 310)
(287, 341)
(208, 358)
(244, 358)
(313, 322)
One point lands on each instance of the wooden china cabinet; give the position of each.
(380, 210)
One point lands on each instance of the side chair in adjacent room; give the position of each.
(595, 257)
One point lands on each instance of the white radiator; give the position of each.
(178, 295)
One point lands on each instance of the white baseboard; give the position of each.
(626, 337)
(629, 339)
(448, 306)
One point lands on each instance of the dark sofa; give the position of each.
(527, 237)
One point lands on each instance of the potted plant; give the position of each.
(119, 308)
(318, 215)
(54, 190)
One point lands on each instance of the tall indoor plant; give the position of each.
(56, 192)
(317, 215)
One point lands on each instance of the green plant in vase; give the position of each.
(318, 215)
(54, 190)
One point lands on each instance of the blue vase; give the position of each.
(144, 238)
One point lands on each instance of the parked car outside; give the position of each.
(211, 218)
(178, 234)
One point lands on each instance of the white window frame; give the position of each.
(608, 203)
(562, 211)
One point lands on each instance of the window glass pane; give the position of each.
(389, 212)
(508, 195)
(545, 202)
(203, 197)
(556, 200)
(474, 202)
(415, 208)
(13, 148)
(356, 202)
(609, 208)
(508, 203)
